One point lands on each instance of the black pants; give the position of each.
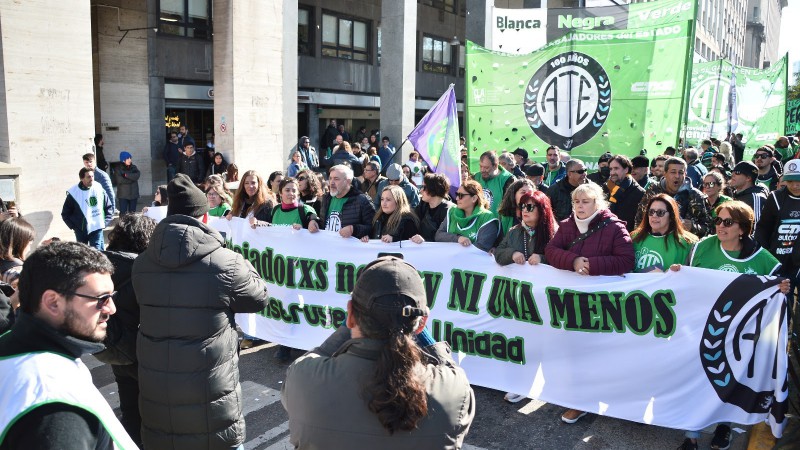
(128, 385)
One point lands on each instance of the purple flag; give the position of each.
(436, 138)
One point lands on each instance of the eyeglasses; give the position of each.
(657, 212)
(727, 223)
(709, 185)
(762, 156)
(460, 195)
(302, 178)
(102, 300)
(529, 207)
(580, 171)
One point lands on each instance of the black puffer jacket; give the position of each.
(357, 211)
(189, 287)
(120, 338)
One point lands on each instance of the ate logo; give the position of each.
(568, 100)
(738, 351)
(709, 98)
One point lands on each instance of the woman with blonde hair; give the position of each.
(253, 201)
(394, 221)
(470, 222)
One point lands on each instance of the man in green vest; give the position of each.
(48, 400)
(493, 178)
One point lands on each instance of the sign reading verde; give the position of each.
(740, 99)
(587, 92)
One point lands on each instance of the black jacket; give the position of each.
(127, 181)
(755, 196)
(560, 194)
(56, 425)
(123, 326)
(407, 228)
(624, 201)
(357, 211)
(192, 166)
(431, 219)
(189, 286)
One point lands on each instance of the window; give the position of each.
(345, 37)
(435, 55)
(462, 60)
(189, 18)
(444, 5)
(304, 36)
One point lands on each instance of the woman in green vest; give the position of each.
(217, 202)
(470, 222)
(713, 187)
(394, 221)
(660, 240)
(507, 212)
(292, 212)
(732, 250)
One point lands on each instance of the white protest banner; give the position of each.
(682, 350)
(156, 213)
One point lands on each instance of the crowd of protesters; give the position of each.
(702, 207)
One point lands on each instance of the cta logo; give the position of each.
(568, 100)
(739, 347)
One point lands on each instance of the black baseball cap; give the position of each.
(746, 168)
(389, 285)
(534, 170)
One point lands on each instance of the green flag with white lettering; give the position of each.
(588, 92)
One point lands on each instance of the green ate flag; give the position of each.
(588, 92)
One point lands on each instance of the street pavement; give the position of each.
(498, 425)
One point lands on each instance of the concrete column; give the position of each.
(479, 16)
(313, 124)
(124, 84)
(398, 70)
(47, 104)
(254, 90)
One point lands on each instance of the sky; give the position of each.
(789, 40)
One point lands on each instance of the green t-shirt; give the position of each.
(720, 200)
(550, 176)
(334, 222)
(219, 210)
(660, 252)
(709, 254)
(290, 217)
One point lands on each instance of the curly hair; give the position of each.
(313, 186)
(508, 205)
(132, 233)
(395, 391)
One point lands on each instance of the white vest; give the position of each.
(91, 202)
(35, 379)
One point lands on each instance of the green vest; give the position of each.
(653, 251)
(506, 222)
(468, 227)
(709, 254)
(493, 188)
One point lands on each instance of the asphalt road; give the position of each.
(498, 425)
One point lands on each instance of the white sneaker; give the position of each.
(514, 398)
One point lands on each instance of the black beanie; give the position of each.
(185, 198)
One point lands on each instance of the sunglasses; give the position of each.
(762, 156)
(727, 223)
(657, 212)
(709, 185)
(580, 172)
(102, 300)
(460, 195)
(302, 178)
(529, 207)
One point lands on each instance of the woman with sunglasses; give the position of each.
(713, 187)
(470, 222)
(732, 250)
(310, 189)
(525, 242)
(660, 240)
(508, 211)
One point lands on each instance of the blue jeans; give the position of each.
(93, 239)
(171, 172)
(126, 206)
